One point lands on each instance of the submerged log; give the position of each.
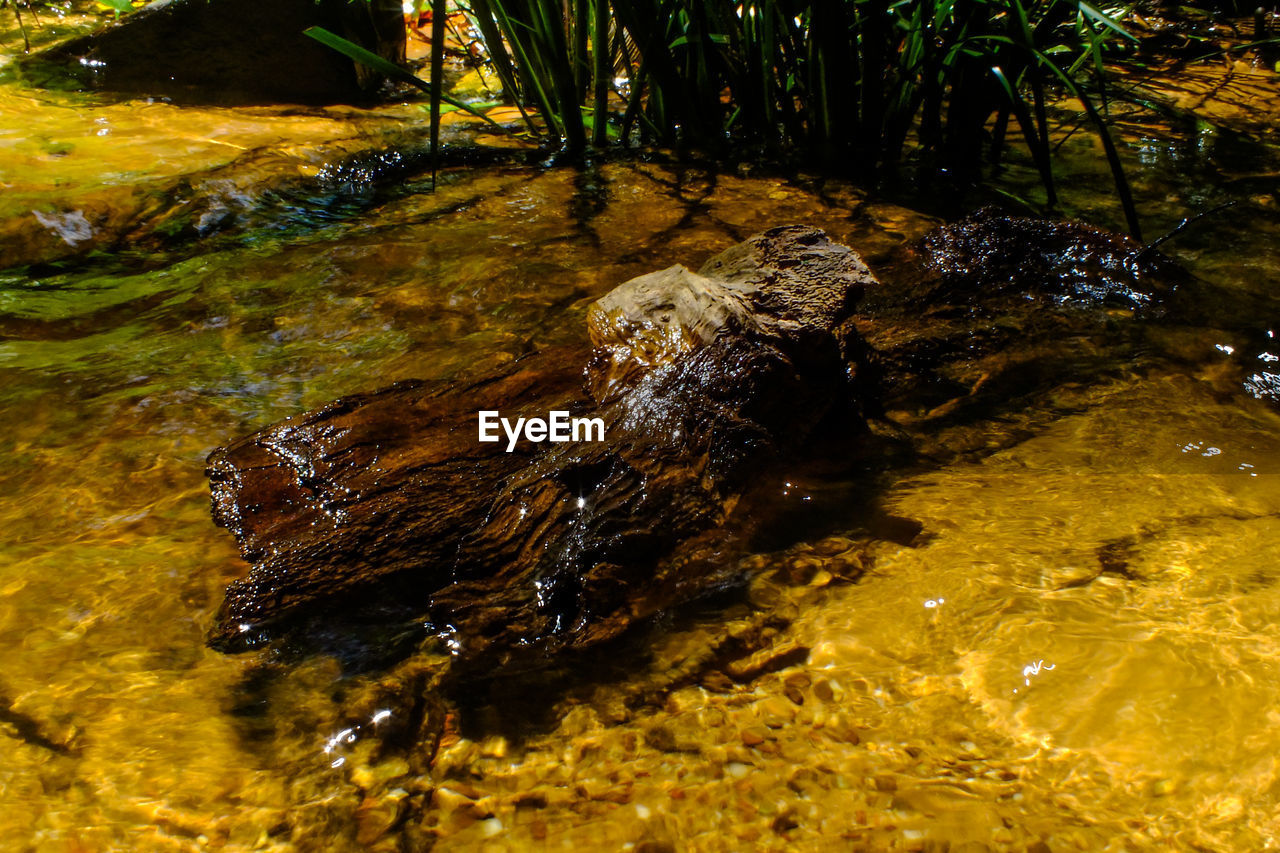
(704, 383)
(233, 51)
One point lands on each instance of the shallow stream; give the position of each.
(992, 683)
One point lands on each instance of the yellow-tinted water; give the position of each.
(1078, 652)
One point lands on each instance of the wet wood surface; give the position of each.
(705, 382)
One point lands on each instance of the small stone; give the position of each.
(378, 775)
(1065, 577)
(776, 712)
(798, 680)
(715, 754)
(833, 545)
(446, 799)
(469, 791)
(578, 721)
(801, 570)
(847, 733)
(1228, 808)
(803, 778)
(847, 567)
(886, 783)
(771, 659)
(661, 738)
(716, 681)
(458, 810)
(494, 747)
(823, 691)
(684, 701)
(590, 789)
(784, 822)
(620, 794)
(754, 736)
(457, 756)
(529, 800)
(710, 718)
(651, 846)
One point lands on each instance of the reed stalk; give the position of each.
(861, 87)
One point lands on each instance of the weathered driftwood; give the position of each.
(704, 382)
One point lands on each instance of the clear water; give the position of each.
(988, 686)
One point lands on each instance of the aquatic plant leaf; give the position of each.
(117, 6)
(395, 72)
(1106, 20)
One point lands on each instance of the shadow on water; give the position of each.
(590, 199)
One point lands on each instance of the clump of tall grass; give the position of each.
(855, 86)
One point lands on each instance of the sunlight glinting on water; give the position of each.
(1078, 647)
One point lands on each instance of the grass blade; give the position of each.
(438, 13)
(354, 51)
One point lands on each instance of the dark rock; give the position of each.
(770, 659)
(231, 51)
(1066, 262)
(991, 312)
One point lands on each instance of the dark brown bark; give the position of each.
(704, 382)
